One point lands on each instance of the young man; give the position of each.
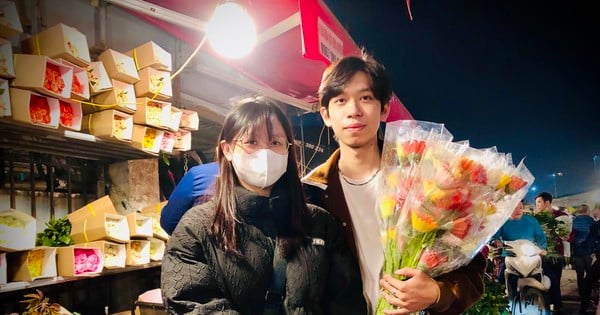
(354, 97)
(556, 225)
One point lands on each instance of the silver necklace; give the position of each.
(358, 184)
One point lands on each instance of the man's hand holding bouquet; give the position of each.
(441, 201)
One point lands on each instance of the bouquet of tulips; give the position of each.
(441, 201)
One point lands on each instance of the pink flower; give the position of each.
(431, 259)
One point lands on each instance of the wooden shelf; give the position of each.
(21, 136)
(25, 285)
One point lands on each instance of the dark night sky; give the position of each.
(520, 75)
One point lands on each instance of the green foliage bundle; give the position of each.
(493, 302)
(56, 234)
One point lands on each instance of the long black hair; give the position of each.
(245, 119)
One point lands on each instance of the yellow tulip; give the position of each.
(504, 180)
(387, 206)
(423, 222)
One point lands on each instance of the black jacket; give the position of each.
(199, 278)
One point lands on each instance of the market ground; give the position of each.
(568, 285)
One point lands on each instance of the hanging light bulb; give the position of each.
(231, 31)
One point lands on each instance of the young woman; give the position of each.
(257, 247)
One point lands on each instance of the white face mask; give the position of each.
(261, 168)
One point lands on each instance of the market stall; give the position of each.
(95, 95)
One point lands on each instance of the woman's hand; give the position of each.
(416, 293)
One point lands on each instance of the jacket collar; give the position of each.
(319, 176)
(270, 214)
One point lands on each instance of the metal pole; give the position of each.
(555, 190)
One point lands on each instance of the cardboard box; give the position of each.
(119, 66)
(183, 140)
(34, 108)
(98, 78)
(60, 41)
(10, 24)
(7, 68)
(80, 87)
(42, 74)
(168, 141)
(3, 275)
(109, 124)
(138, 252)
(176, 114)
(105, 226)
(4, 99)
(139, 225)
(77, 260)
(151, 55)
(17, 231)
(146, 138)
(70, 115)
(94, 208)
(33, 264)
(114, 253)
(189, 120)
(157, 249)
(154, 211)
(152, 113)
(120, 97)
(154, 84)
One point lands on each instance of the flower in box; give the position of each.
(121, 97)
(4, 99)
(98, 78)
(87, 260)
(189, 120)
(139, 225)
(138, 252)
(168, 141)
(10, 24)
(80, 87)
(157, 249)
(109, 124)
(151, 55)
(32, 264)
(154, 84)
(70, 115)
(147, 138)
(114, 255)
(79, 260)
(34, 108)
(100, 227)
(152, 113)
(60, 41)
(154, 211)
(175, 120)
(42, 74)
(441, 201)
(183, 140)
(7, 69)
(119, 66)
(17, 231)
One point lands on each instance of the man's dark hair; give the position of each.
(338, 74)
(545, 196)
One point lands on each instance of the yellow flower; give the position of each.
(504, 180)
(423, 222)
(391, 233)
(387, 206)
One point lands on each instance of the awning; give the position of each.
(297, 39)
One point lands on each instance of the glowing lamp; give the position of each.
(231, 31)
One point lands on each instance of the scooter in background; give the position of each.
(524, 264)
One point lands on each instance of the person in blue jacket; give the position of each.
(195, 187)
(520, 226)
